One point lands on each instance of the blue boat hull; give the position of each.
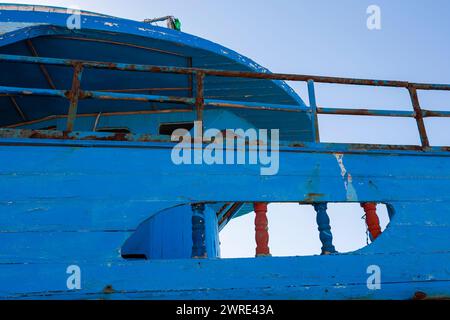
(85, 198)
(76, 202)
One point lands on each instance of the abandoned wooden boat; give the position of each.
(93, 204)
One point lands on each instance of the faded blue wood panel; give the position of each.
(391, 291)
(67, 175)
(304, 174)
(76, 215)
(168, 235)
(411, 239)
(422, 213)
(266, 278)
(164, 237)
(292, 126)
(41, 173)
(67, 247)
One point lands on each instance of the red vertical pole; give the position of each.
(372, 221)
(262, 229)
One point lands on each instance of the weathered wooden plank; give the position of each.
(70, 247)
(77, 173)
(270, 278)
(75, 214)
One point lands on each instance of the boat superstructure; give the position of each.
(89, 187)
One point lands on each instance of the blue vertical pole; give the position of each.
(198, 231)
(323, 222)
(313, 106)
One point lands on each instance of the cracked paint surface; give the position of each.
(348, 180)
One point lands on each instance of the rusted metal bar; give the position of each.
(223, 73)
(199, 95)
(313, 105)
(44, 70)
(18, 109)
(190, 79)
(145, 89)
(221, 210)
(96, 95)
(199, 101)
(366, 112)
(153, 98)
(436, 114)
(330, 148)
(11, 91)
(74, 96)
(254, 106)
(217, 103)
(79, 136)
(430, 86)
(26, 123)
(419, 117)
(227, 216)
(134, 97)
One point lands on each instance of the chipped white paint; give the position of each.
(153, 31)
(348, 180)
(339, 157)
(111, 24)
(6, 27)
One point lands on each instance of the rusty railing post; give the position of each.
(261, 230)
(18, 109)
(313, 106)
(74, 96)
(323, 223)
(418, 116)
(372, 220)
(200, 98)
(198, 231)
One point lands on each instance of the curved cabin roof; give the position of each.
(42, 31)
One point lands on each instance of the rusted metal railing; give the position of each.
(199, 102)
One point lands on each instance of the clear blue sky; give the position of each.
(323, 38)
